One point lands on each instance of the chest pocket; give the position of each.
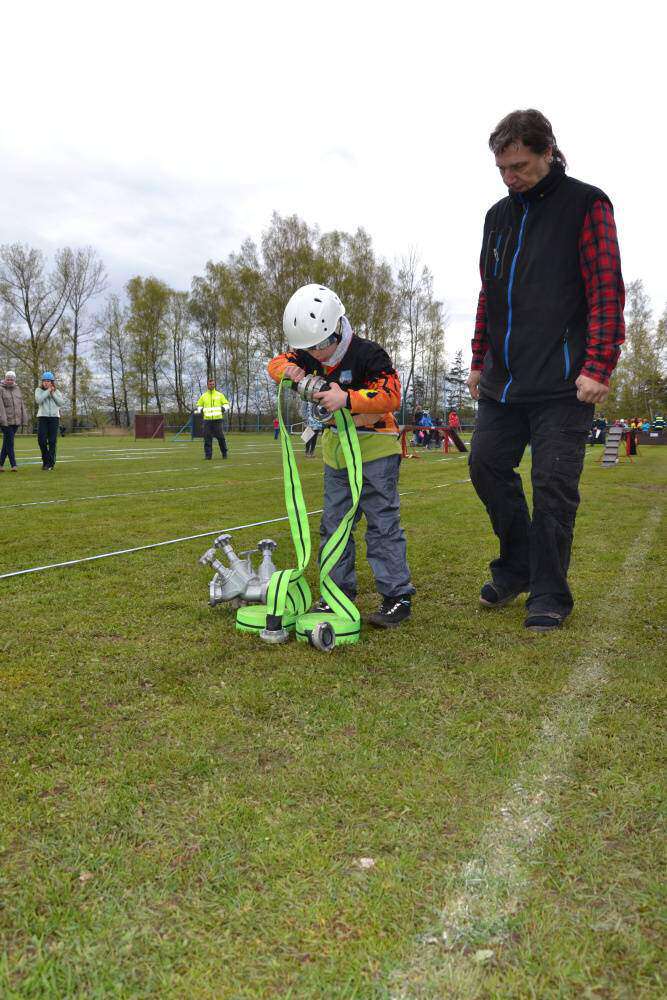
(496, 252)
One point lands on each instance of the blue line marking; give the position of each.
(566, 353)
(506, 346)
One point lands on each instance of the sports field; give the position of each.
(452, 809)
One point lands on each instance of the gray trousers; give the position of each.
(385, 539)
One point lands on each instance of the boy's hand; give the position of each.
(334, 398)
(294, 372)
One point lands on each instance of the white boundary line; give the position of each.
(184, 538)
(141, 493)
(134, 457)
(494, 884)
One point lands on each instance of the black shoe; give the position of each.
(543, 621)
(491, 596)
(207, 458)
(321, 606)
(393, 611)
(225, 455)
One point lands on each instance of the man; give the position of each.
(363, 380)
(547, 339)
(49, 401)
(213, 404)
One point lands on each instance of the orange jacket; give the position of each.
(367, 375)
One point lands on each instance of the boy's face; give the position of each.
(323, 355)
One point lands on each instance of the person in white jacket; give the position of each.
(49, 402)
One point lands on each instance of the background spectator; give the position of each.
(49, 401)
(13, 415)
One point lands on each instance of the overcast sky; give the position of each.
(165, 133)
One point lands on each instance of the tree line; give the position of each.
(152, 348)
(639, 384)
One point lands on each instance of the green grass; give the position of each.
(183, 808)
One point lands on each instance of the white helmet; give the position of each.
(311, 315)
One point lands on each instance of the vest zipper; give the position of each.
(566, 353)
(496, 254)
(506, 346)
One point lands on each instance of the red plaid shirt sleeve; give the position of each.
(479, 341)
(600, 263)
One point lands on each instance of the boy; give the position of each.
(364, 380)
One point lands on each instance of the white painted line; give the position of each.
(141, 493)
(141, 548)
(185, 538)
(494, 884)
(107, 496)
(136, 456)
(216, 467)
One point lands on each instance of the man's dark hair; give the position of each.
(529, 127)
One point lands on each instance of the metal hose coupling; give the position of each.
(307, 387)
(322, 637)
(274, 631)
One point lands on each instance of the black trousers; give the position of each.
(213, 429)
(8, 432)
(47, 437)
(311, 442)
(534, 552)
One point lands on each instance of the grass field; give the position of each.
(185, 810)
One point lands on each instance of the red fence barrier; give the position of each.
(149, 425)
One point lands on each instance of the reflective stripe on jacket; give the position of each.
(212, 404)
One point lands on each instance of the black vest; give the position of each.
(536, 306)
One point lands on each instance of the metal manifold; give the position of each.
(239, 583)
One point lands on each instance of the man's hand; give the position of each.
(334, 398)
(590, 391)
(473, 384)
(294, 372)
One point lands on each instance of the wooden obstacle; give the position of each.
(149, 425)
(447, 433)
(611, 445)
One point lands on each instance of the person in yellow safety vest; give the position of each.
(212, 404)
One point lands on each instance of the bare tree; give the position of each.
(146, 323)
(112, 351)
(414, 293)
(36, 298)
(87, 278)
(178, 328)
(205, 307)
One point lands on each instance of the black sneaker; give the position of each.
(543, 621)
(321, 606)
(491, 596)
(393, 611)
